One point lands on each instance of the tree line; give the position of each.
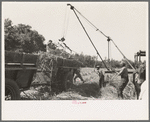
(21, 38)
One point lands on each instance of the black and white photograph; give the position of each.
(75, 61)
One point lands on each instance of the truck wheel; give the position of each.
(12, 91)
(68, 81)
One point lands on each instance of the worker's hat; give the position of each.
(123, 63)
(97, 66)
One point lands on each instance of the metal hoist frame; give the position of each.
(108, 38)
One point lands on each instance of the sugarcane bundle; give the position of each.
(49, 63)
(16, 57)
(13, 57)
(47, 59)
(30, 58)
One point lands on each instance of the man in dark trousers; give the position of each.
(101, 77)
(124, 79)
(139, 76)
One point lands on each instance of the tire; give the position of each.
(68, 81)
(12, 91)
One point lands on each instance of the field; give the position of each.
(89, 90)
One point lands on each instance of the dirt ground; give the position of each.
(89, 90)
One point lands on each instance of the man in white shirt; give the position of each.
(141, 85)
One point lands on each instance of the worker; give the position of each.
(124, 79)
(101, 76)
(51, 45)
(135, 80)
(78, 75)
(139, 76)
(142, 73)
(139, 84)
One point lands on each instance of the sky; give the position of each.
(125, 22)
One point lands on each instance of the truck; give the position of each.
(20, 69)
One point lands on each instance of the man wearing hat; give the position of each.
(139, 77)
(78, 75)
(101, 76)
(124, 79)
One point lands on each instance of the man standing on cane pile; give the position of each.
(124, 79)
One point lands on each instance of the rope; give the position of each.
(91, 23)
(123, 55)
(66, 23)
(63, 30)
